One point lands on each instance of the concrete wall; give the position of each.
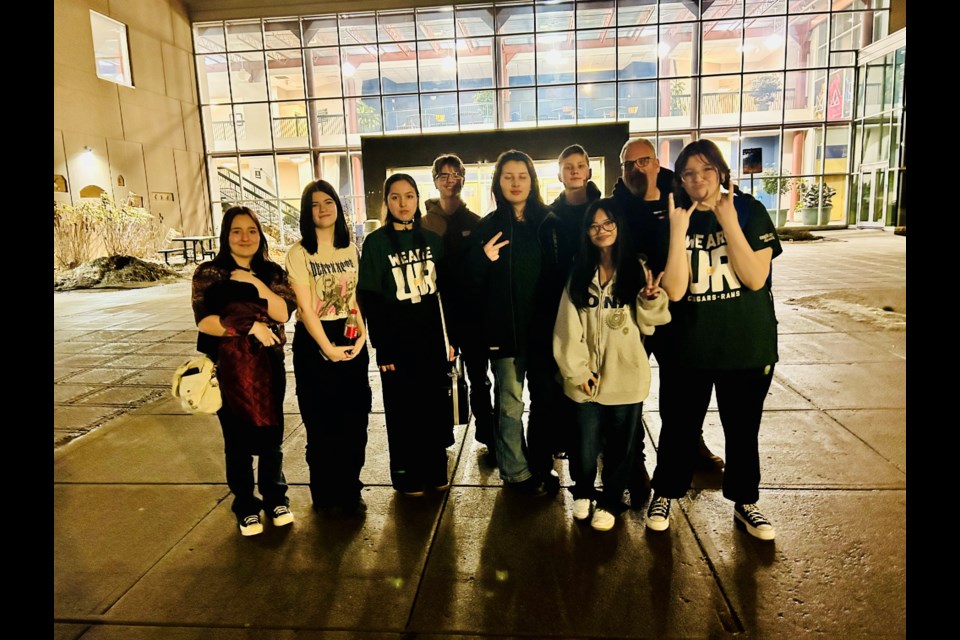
(150, 134)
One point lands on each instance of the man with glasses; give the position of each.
(642, 192)
(449, 217)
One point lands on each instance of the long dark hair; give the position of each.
(710, 152)
(260, 262)
(534, 205)
(308, 232)
(629, 276)
(419, 240)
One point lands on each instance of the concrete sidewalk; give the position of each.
(146, 547)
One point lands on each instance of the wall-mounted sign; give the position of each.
(162, 196)
(59, 184)
(752, 161)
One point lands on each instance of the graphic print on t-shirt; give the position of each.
(335, 283)
(711, 274)
(413, 273)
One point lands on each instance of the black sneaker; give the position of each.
(750, 518)
(281, 515)
(658, 513)
(532, 486)
(251, 525)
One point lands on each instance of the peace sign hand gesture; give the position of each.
(652, 289)
(492, 247)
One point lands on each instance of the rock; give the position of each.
(113, 272)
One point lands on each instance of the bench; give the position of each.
(177, 250)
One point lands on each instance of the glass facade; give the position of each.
(297, 93)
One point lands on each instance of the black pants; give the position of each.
(684, 398)
(419, 423)
(477, 364)
(334, 399)
(242, 441)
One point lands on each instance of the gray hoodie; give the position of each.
(607, 340)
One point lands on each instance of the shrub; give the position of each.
(73, 237)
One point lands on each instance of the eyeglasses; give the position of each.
(690, 175)
(609, 225)
(443, 177)
(640, 162)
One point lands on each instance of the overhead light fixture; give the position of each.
(87, 151)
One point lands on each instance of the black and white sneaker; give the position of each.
(658, 513)
(251, 525)
(281, 515)
(749, 517)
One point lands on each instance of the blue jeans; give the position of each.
(521, 456)
(611, 430)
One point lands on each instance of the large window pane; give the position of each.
(556, 58)
(244, 35)
(438, 65)
(557, 105)
(401, 114)
(768, 142)
(596, 56)
(294, 173)
(805, 95)
(438, 111)
(435, 24)
(721, 46)
(358, 28)
(253, 126)
(218, 128)
(554, 17)
(637, 55)
(836, 152)
(675, 97)
(762, 98)
(320, 31)
(472, 22)
(675, 49)
(845, 31)
(638, 105)
(247, 78)
(518, 107)
(289, 124)
(765, 7)
(807, 41)
(398, 67)
(323, 73)
(358, 66)
(632, 12)
(801, 153)
(329, 129)
(669, 147)
(840, 95)
(477, 110)
(212, 79)
(763, 44)
(224, 184)
(723, 9)
(475, 63)
(363, 118)
(282, 33)
(592, 15)
(515, 19)
(808, 6)
(597, 102)
(720, 101)
(285, 74)
(677, 10)
(208, 37)
(396, 26)
(516, 55)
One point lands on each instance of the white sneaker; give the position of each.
(581, 508)
(281, 515)
(603, 520)
(750, 518)
(251, 525)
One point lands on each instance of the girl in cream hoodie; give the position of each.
(611, 301)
